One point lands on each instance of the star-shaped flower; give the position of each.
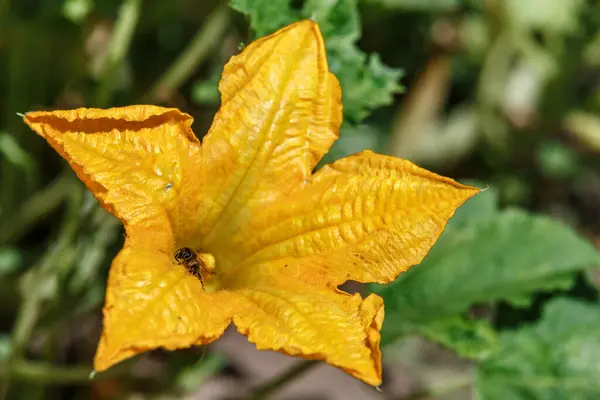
(270, 240)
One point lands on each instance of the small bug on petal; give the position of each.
(189, 259)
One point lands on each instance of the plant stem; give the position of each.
(129, 14)
(185, 65)
(36, 207)
(270, 387)
(47, 373)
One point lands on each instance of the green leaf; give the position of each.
(481, 207)
(470, 338)
(11, 260)
(5, 346)
(266, 16)
(353, 139)
(561, 16)
(484, 256)
(77, 10)
(557, 358)
(190, 377)
(14, 154)
(366, 82)
(206, 92)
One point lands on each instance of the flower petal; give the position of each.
(151, 302)
(367, 218)
(281, 111)
(283, 312)
(139, 161)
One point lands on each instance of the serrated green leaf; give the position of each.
(366, 82)
(557, 358)
(266, 16)
(505, 255)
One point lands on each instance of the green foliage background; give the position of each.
(502, 92)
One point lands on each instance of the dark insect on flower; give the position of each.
(189, 259)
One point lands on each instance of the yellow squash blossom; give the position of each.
(243, 211)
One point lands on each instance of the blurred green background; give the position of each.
(505, 93)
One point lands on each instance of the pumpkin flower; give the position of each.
(237, 229)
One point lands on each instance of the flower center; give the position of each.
(198, 264)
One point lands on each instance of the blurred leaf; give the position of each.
(77, 10)
(366, 82)
(557, 161)
(474, 32)
(470, 338)
(557, 358)
(419, 5)
(560, 16)
(191, 377)
(206, 92)
(11, 151)
(83, 282)
(586, 127)
(484, 256)
(353, 139)
(5, 346)
(14, 153)
(10, 260)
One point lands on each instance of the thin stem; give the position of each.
(270, 387)
(195, 53)
(36, 207)
(129, 14)
(47, 373)
(44, 373)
